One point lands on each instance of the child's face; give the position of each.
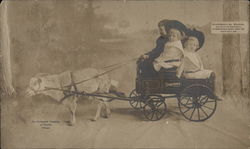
(174, 35)
(162, 31)
(191, 44)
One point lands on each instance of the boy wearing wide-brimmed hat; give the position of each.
(168, 50)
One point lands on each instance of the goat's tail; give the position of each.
(114, 89)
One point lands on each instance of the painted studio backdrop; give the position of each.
(53, 36)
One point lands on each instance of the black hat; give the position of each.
(170, 24)
(163, 22)
(197, 34)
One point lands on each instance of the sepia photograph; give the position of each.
(125, 74)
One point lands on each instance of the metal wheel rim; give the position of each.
(202, 107)
(135, 103)
(154, 108)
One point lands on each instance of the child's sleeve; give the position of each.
(160, 43)
(180, 69)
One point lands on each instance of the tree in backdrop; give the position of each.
(59, 36)
(6, 72)
(96, 36)
(232, 58)
(63, 31)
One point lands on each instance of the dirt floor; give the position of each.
(41, 122)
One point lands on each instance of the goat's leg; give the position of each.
(73, 110)
(71, 104)
(107, 110)
(98, 111)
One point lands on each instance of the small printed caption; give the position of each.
(240, 27)
(45, 124)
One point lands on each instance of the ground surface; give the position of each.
(126, 128)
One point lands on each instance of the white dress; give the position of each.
(192, 67)
(172, 51)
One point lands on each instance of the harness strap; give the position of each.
(133, 59)
(95, 76)
(173, 60)
(117, 67)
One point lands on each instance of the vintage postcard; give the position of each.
(125, 74)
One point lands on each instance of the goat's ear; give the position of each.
(39, 80)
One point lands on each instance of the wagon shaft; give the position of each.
(91, 94)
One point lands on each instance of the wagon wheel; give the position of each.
(135, 100)
(155, 108)
(196, 103)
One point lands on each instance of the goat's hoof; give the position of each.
(93, 119)
(69, 123)
(106, 116)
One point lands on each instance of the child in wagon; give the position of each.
(191, 66)
(173, 50)
(170, 50)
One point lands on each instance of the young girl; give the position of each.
(172, 53)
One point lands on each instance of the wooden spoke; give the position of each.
(159, 104)
(187, 100)
(207, 107)
(158, 111)
(187, 110)
(153, 115)
(210, 101)
(204, 111)
(156, 115)
(134, 93)
(136, 104)
(198, 113)
(203, 100)
(192, 113)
